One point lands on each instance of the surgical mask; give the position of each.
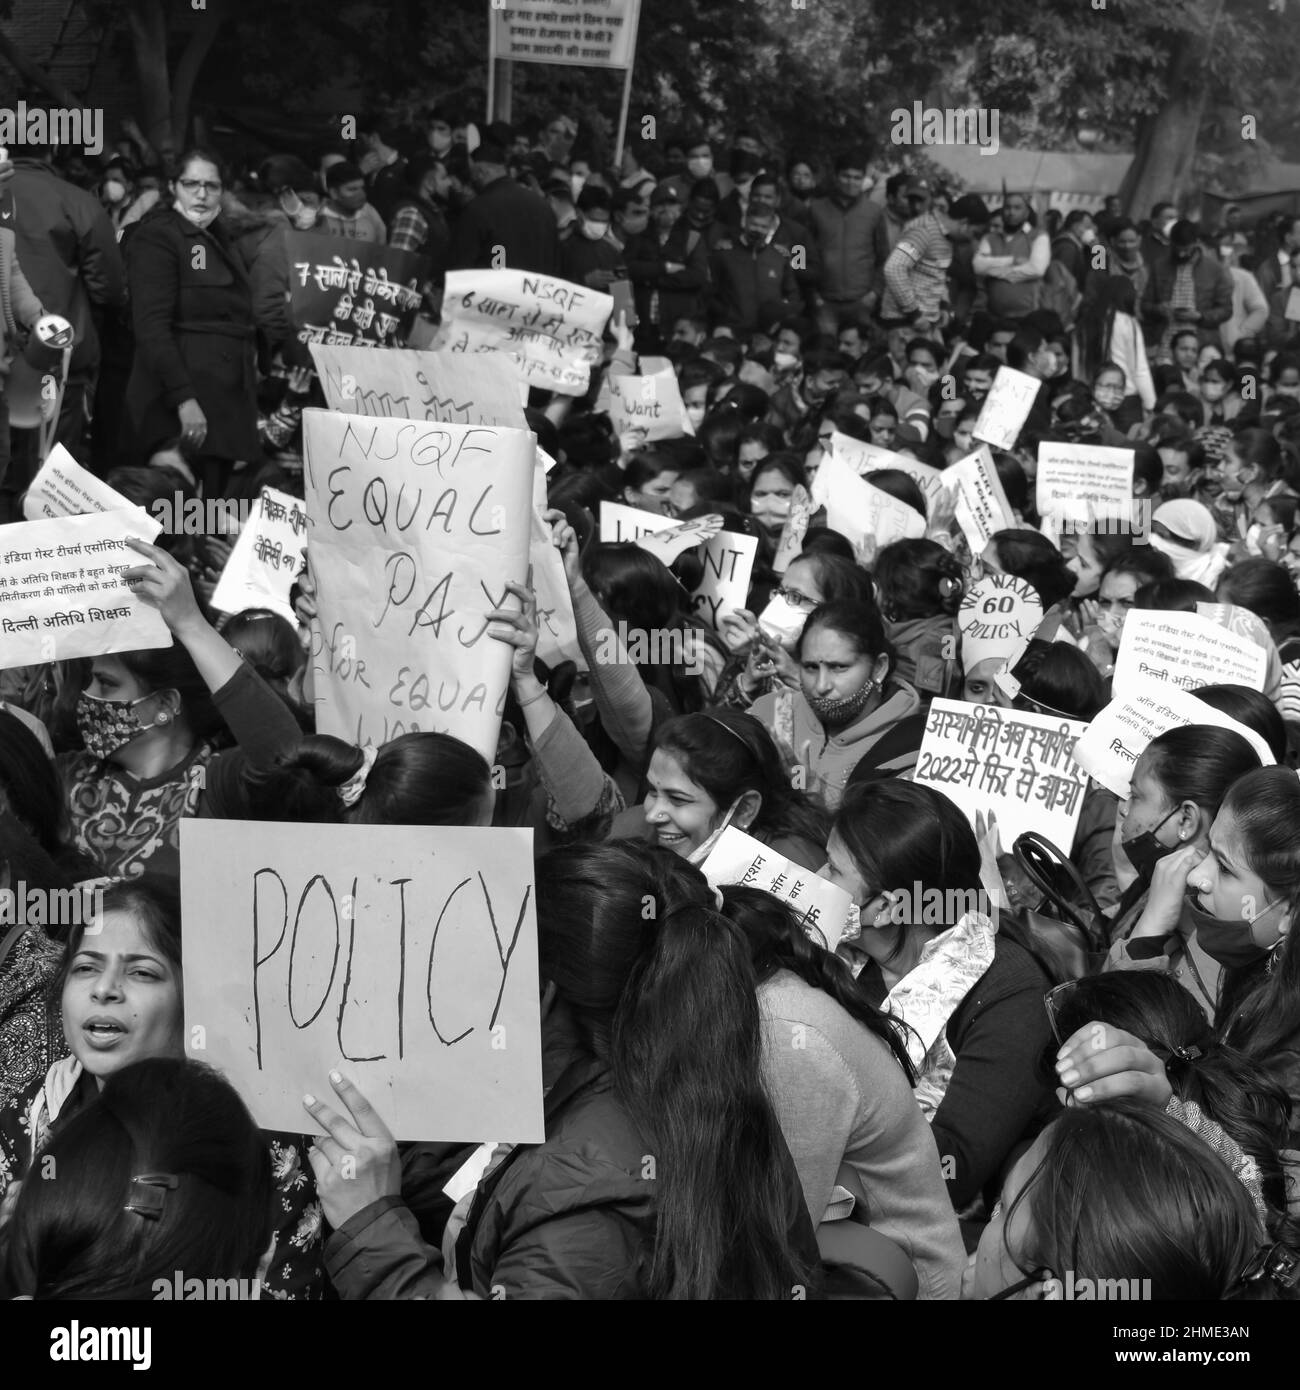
(1087, 236)
(594, 231)
(927, 376)
(782, 621)
(1214, 390)
(201, 219)
(114, 191)
(1230, 941)
(784, 361)
(1145, 851)
(699, 168)
(695, 414)
(834, 713)
(107, 725)
(576, 182)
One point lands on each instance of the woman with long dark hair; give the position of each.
(931, 955)
(1108, 333)
(843, 1093)
(663, 1173)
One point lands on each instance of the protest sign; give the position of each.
(675, 540)
(1186, 650)
(420, 386)
(997, 617)
(827, 913)
(619, 523)
(1119, 735)
(344, 293)
(1006, 408)
(982, 506)
(1082, 483)
(62, 594)
(551, 330)
(1013, 764)
(542, 31)
(266, 558)
(650, 403)
(790, 545)
(557, 631)
(857, 510)
(406, 953)
(415, 528)
(62, 487)
(866, 459)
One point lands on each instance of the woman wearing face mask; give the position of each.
(971, 994)
(192, 310)
(770, 493)
(711, 771)
(1109, 334)
(648, 481)
(121, 1001)
(1222, 401)
(1177, 787)
(123, 201)
(849, 709)
(1254, 468)
(148, 721)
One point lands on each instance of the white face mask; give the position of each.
(782, 621)
(784, 361)
(200, 219)
(114, 191)
(695, 414)
(699, 168)
(594, 231)
(576, 182)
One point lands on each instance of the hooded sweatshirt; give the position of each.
(829, 758)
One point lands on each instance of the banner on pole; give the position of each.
(599, 35)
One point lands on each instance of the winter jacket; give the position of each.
(506, 227)
(580, 257)
(69, 254)
(827, 760)
(1213, 288)
(19, 306)
(664, 296)
(854, 246)
(925, 655)
(192, 310)
(753, 286)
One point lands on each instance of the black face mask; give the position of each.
(1144, 851)
(1231, 943)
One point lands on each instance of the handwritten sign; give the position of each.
(414, 530)
(1083, 483)
(1006, 408)
(726, 556)
(557, 629)
(266, 558)
(551, 330)
(344, 293)
(410, 385)
(1187, 650)
(982, 507)
(857, 510)
(1018, 766)
(408, 953)
(650, 403)
(997, 617)
(62, 594)
(540, 31)
(1119, 735)
(866, 459)
(62, 487)
(827, 913)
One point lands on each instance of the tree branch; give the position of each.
(32, 72)
(202, 37)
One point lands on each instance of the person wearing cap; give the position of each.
(504, 226)
(668, 265)
(854, 244)
(1013, 262)
(590, 256)
(753, 282)
(1187, 289)
(345, 212)
(916, 273)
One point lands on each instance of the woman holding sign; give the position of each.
(192, 305)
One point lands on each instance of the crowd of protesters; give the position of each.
(1002, 1119)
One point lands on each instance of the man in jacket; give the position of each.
(753, 283)
(591, 256)
(504, 226)
(1187, 289)
(669, 268)
(916, 273)
(66, 246)
(1013, 262)
(854, 245)
(805, 256)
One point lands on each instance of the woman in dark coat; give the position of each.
(192, 309)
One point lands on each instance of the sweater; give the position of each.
(841, 1097)
(854, 246)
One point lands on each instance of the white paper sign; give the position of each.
(266, 558)
(619, 523)
(866, 459)
(982, 507)
(650, 403)
(1006, 408)
(997, 617)
(551, 330)
(1014, 764)
(1119, 735)
(61, 589)
(1082, 483)
(828, 914)
(857, 510)
(1186, 650)
(62, 487)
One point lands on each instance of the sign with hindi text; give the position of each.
(1187, 650)
(857, 510)
(266, 558)
(1006, 408)
(569, 32)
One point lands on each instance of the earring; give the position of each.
(163, 717)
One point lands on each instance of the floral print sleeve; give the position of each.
(297, 1269)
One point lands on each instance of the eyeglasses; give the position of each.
(193, 185)
(1054, 1001)
(795, 599)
